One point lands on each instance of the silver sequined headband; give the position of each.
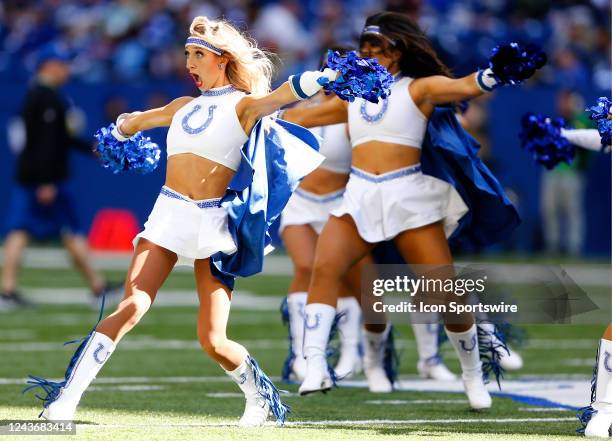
(375, 30)
(195, 41)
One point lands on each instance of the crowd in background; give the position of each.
(133, 40)
(136, 41)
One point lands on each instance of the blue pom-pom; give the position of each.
(604, 127)
(600, 110)
(542, 137)
(138, 153)
(600, 114)
(512, 64)
(358, 77)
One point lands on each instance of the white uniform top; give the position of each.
(209, 127)
(335, 147)
(395, 120)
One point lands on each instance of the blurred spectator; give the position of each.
(134, 39)
(42, 206)
(563, 188)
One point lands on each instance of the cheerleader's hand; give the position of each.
(348, 76)
(119, 153)
(510, 64)
(116, 131)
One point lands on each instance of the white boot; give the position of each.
(349, 329)
(435, 369)
(373, 361)
(466, 346)
(430, 364)
(601, 419)
(317, 326)
(261, 395)
(62, 401)
(296, 363)
(509, 360)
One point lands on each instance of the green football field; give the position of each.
(160, 385)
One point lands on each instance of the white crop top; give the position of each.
(335, 147)
(208, 126)
(395, 120)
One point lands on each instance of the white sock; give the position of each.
(96, 352)
(296, 302)
(425, 329)
(317, 324)
(349, 325)
(243, 376)
(466, 346)
(603, 388)
(374, 349)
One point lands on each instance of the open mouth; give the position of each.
(196, 79)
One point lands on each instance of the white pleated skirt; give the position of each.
(191, 229)
(382, 206)
(306, 208)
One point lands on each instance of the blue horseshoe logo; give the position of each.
(606, 361)
(97, 351)
(243, 379)
(316, 324)
(194, 131)
(375, 117)
(463, 346)
(343, 316)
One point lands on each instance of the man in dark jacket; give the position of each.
(42, 206)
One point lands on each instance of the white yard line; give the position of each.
(335, 422)
(404, 402)
(140, 343)
(128, 388)
(165, 298)
(542, 392)
(585, 274)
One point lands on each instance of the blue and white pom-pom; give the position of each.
(137, 153)
(512, 65)
(357, 77)
(600, 113)
(542, 137)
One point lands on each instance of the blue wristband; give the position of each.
(481, 83)
(294, 82)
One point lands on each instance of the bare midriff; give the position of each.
(197, 177)
(323, 181)
(378, 157)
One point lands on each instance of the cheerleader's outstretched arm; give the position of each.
(438, 89)
(130, 123)
(333, 111)
(589, 139)
(299, 87)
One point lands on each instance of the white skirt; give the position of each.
(382, 206)
(191, 229)
(305, 208)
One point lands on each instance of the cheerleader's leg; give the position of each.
(300, 242)
(150, 267)
(427, 245)
(598, 416)
(338, 248)
(262, 397)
